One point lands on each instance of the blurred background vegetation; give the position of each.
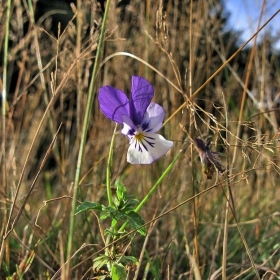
(52, 47)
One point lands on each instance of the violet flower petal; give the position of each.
(142, 93)
(113, 103)
(153, 118)
(129, 128)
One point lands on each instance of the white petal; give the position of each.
(145, 153)
(153, 118)
(128, 126)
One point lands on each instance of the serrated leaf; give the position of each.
(88, 205)
(118, 272)
(136, 221)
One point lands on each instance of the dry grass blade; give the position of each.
(32, 186)
(203, 76)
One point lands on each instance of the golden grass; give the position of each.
(49, 77)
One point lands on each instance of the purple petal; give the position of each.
(142, 93)
(113, 103)
(128, 127)
(153, 118)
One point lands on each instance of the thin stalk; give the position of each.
(4, 100)
(147, 40)
(109, 194)
(145, 199)
(42, 78)
(228, 191)
(109, 165)
(83, 137)
(224, 259)
(79, 22)
(192, 120)
(167, 170)
(244, 95)
(109, 191)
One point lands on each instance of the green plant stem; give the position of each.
(156, 185)
(109, 165)
(83, 136)
(4, 100)
(109, 191)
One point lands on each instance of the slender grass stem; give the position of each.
(40, 67)
(195, 224)
(4, 226)
(83, 137)
(225, 236)
(244, 95)
(147, 41)
(79, 22)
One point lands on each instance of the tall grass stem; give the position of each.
(192, 121)
(79, 22)
(244, 95)
(4, 226)
(83, 136)
(42, 78)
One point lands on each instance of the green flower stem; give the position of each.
(108, 171)
(156, 185)
(108, 184)
(109, 191)
(83, 138)
(159, 181)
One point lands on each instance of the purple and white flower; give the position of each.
(140, 120)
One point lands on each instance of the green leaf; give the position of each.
(121, 191)
(117, 201)
(130, 205)
(114, 222)
(88, 205)
(101, 261)
(108, 212)
(5, 267)
(104, 216)
(136, 221)
(127, 259)
(118, 272)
